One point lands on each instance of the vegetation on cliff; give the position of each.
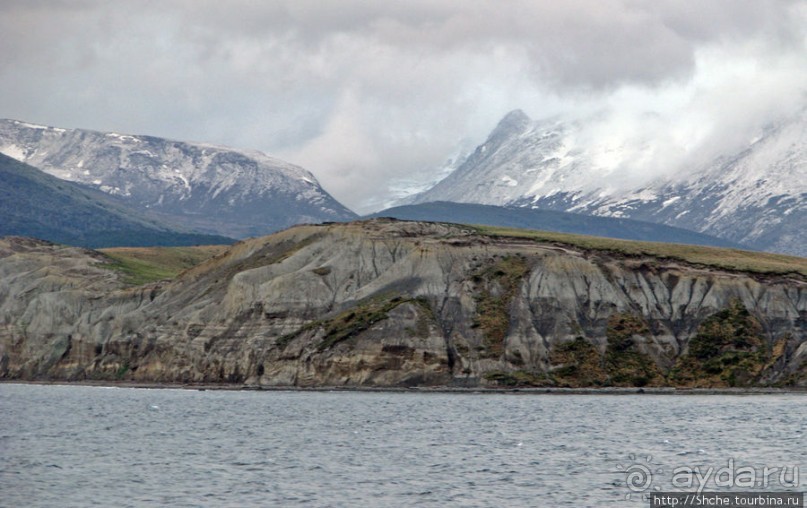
(625, 363)
(727, 350)
(577, 363)
(388, 303)
(710, 257)
(497, 282)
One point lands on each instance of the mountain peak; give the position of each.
(517, 117)
(752, 194)
(514, 122)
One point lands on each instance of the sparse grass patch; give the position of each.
(580, 364)
(426, 318)
(353, 321)
(137, 272)
(717, 257)
(122, 370)
(796, 378)
(285, 340)
(497, 285)
(141, 265)
(625, 364)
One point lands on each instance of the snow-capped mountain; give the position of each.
(209, 188)
(756, 196)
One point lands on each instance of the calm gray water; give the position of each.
(92, 446)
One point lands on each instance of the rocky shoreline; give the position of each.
(420, 389)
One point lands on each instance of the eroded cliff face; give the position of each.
(386, 303)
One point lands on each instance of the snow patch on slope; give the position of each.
(599, 166)
(190, 180)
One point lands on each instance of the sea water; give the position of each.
(95, 446)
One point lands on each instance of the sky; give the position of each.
(370, 95)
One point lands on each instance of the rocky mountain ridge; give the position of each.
(389, 303)
(207, 188)
(756, 196)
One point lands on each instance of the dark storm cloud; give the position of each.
(362, 92)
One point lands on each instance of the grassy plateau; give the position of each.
(716, 257)
(141, 265)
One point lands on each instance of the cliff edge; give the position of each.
(392, 303)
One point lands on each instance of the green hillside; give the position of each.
(35, 204)
(148, 264)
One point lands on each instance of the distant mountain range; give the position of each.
(202, 187)
(550, 220)
(757, 196)
(532, 173)
(35, 204)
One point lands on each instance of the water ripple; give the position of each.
(213, 448)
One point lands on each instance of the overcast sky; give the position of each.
(366, 93)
